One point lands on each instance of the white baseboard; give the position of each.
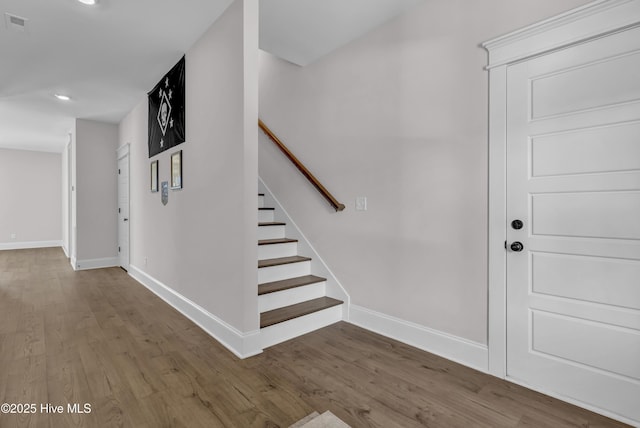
(29, 244)
(243, 345)
(463, 351)
(590, 407)
(95, 263)
(66, 252)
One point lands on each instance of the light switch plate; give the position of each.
(361, 203)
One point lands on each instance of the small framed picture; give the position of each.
(154, 176)
(176, 170)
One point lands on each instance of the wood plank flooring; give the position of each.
(99, 337)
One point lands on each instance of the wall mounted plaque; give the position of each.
(165, 192)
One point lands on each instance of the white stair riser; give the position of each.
(279, 299)
(270, 232)
(274, 251)
(280, 332)
(260, 201)
(265, 215)
(277, 273)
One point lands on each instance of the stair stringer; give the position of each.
(318, 266)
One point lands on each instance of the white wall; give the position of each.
(65, 192)
(73, 233)
(96, 193)
(202, 244)
(30, 199)
(398, 116)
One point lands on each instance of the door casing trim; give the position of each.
(122, 152)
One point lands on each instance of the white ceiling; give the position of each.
(107, 57)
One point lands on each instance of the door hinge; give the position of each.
(505, 245)
(118, 249)
(118, 171)
(119, 213)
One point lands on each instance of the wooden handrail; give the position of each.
(323, 191)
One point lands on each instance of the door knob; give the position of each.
(517, 246)
(126, 219)
(517, 224)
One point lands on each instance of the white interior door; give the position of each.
(123, 211)
(573, 179)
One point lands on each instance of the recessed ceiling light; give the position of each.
(62, 97)
(89, 2)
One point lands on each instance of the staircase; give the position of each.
(291, 300)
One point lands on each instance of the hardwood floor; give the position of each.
(99, 337)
